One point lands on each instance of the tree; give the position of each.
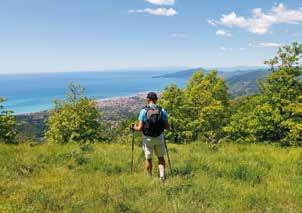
(173, 101)
(253, 120)
(200, 110)
(288, 56)
(75, 119)
(8, 125)
(294, 123)
(207, 102)
(274, 114)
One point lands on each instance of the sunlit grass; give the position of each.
(96, 178)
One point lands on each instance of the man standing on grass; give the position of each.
(152, 122)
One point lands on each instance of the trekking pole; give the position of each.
(132, 150)
(169, 161)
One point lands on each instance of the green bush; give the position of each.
(7, 125)
(76, 119)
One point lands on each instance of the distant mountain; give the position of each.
(241, 68)
(163, 69)
(245, 83)
(188, 73)
(179, 74)
(240, 82)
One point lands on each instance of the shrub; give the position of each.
(7, 125)
(76, 119)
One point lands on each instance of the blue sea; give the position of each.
(26, 93)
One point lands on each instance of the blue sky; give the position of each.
(64, 35)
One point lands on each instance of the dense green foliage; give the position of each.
(200, 110)
(96, 178)
(31, 127)
(7, 125)
(75, 119)
(275, 113)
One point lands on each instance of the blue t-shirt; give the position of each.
(142, 114)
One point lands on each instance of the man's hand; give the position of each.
(137, 127)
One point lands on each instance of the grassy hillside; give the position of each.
(96, 178)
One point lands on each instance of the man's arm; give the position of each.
(138, 127)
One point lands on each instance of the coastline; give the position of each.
(121, 100)
(106, 103)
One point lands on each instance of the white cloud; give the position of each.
(270, 44)
(260, 22)
(223, 48)
(211, 22)
(179, 35)
(161, 2)
(157, 11)
(223, 33)
(265, 44)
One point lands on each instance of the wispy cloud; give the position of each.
(230, 49)
(212, 22)
(179, 35)
(270, 44)
(224, 49)
(265, 44)
(223, 33)
(156, 12)
(261, 22)
(161, 2)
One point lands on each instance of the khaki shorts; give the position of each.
(156, 145)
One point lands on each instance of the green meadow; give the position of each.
(96, 178)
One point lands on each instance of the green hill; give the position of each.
(96, 178)
(245, 83)
(240, 82)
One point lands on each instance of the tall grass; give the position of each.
(96, 178)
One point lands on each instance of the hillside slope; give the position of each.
(240, 82)
(245, 83)
(96, 178)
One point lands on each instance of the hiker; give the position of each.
(152, 122)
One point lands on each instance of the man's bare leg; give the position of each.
(161, 167)
(148, 166)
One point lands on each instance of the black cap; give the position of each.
(152, 96)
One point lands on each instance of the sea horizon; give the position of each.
(31, 93)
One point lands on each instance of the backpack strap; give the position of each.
(146, 108)
(160, 110)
